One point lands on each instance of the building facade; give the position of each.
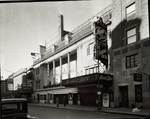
(19, 84)
(131, 53)
(18, 78)
(68, 68)
(10, 83)
(3, 88)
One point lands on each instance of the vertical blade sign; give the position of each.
(100, 48)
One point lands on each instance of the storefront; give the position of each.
(87, 89)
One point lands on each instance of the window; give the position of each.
(38, 85)
(107, 17)
(131, 36)
(14, 108)
(73, 68)
(91, 70)
(65, 68)
(138, 93)
(90, 49)
(130, 12)
(57, 75)
(44, 97)
(37, 71)
(132, 61)
(95, 69)
(87, 71)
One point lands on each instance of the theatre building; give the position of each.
(68, 68)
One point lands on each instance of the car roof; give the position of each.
(14, 100)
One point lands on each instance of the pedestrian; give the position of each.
(57, 101)
(64, 100)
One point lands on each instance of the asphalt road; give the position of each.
(59, 113)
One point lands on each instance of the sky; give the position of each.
(26, 25)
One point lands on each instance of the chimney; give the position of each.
(60, 26)
(42, 50)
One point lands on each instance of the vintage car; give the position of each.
(15, 108)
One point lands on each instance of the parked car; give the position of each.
(15, 108)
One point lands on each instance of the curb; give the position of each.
(104, 111)
(125, 113)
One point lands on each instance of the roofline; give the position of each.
(108, 8)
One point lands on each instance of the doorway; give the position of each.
(75, 99)
(88, 99)
(38, 97)
(123, 96)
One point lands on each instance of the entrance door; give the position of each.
(124, 96)
(38, 97)
(75, 99)
(88, 99)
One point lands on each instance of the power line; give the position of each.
(8, 71)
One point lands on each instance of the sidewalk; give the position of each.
(128, 111)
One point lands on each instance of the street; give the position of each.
(60, 113)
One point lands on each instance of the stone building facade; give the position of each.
(131, 53)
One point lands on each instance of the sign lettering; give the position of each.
(106, 77)
(87, 79)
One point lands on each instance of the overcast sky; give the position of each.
(25, 26)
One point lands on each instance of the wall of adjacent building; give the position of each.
(124, 76)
